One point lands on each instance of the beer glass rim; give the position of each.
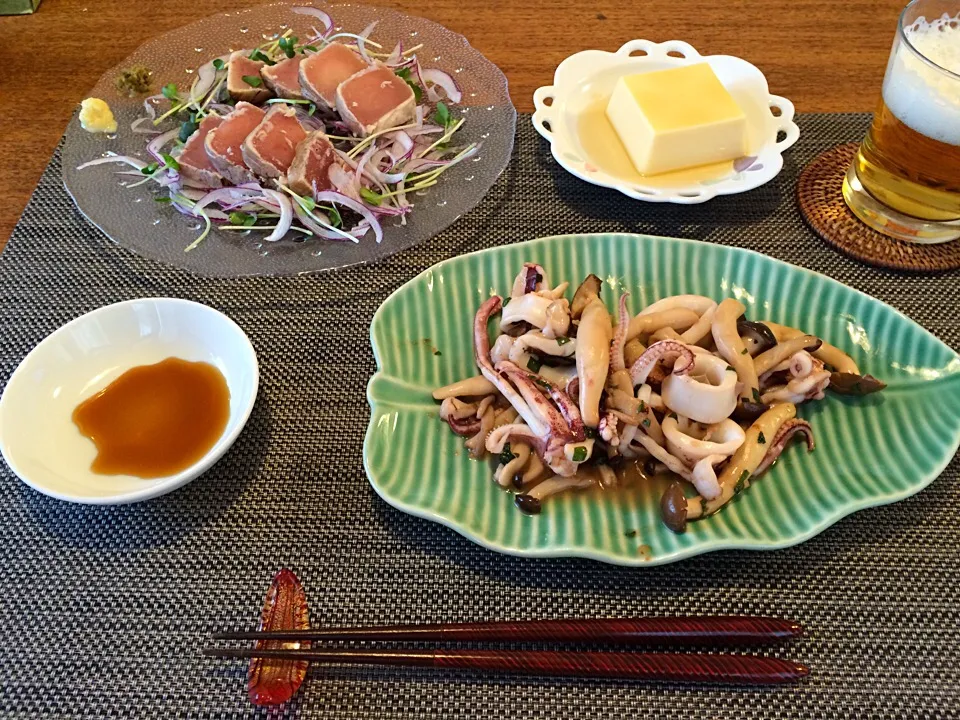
(901, 31)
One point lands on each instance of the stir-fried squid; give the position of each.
(568, 393)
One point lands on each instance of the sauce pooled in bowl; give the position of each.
(156, 420)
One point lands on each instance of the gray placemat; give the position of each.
(104, 609)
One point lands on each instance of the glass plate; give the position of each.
(132, 218)
(870, 450)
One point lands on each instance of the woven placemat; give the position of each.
(820, 194)
(105, 609)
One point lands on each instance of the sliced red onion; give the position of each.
(158, 142)
(311, 122)
(423, 164)
(317, 13)
(390, 210)
(419, 113)
(396, 55)
(373, 170)
(265, 204)
(362, 41)
(150, 107)
(400, 146)
(206, 77)
(136, 126)
(424, 130)
(183, 209)
(326, 233)
(329, 196)
(286, 215)
(135, 162)
(401, 196)
(192, 194)
(220, 108)
(362, 163)
(444, 81)
(241, 205)
(420, 81)
(219, 215)
(342, 180)
(226, 196)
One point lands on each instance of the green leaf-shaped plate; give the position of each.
(870, 451)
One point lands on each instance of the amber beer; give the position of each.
(910, 172)
(905, 180)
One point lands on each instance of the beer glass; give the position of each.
(905, 179)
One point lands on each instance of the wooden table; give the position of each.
(822, 55)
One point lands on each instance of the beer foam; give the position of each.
(924, 98)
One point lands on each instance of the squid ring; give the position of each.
(707, 394)
(726, 439)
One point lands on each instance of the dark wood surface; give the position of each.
(824, 56)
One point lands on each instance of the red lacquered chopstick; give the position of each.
(729, 631)
(672, 667)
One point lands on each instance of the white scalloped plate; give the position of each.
(584, 80)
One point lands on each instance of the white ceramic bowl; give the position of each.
(38, 438)
(586, 78)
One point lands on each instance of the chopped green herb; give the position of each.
(579, 454)
(533, 364)
(312, 110)
(218, 64)
(165, 200)
(187, 129)
(169, 91)
(170, 162)
(370, 196)
(135, 81)
(437, 352)
(744, 476)
(590, 433)
(404, 73)
(334, 215)
(562, 341)
(242, 218)
(253, 80)
(150, 169)
(442, 116)
(308, 203)
(260, 57)
(311, 48)
(756, 395)
(646, 422)
(287, 44)
(761, 440)
(743, 352)
(643, 406)
(505, 455)
(631, 533)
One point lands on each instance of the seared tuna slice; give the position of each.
(310, 171)
(269, 150)
(284, 77)
(240, 67)
(195, 164)
(374, 100)
(224, 142)
(322, 72)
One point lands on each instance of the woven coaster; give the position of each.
(820, 194)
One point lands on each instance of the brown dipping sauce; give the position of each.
(156, 420)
